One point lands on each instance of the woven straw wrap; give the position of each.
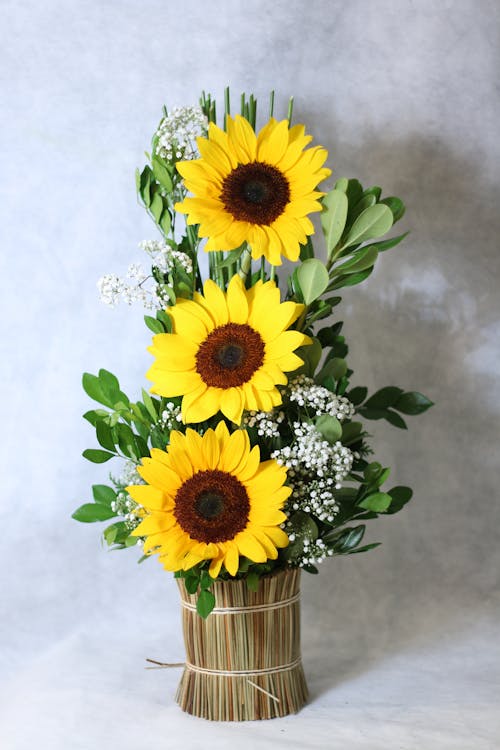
(243, 662)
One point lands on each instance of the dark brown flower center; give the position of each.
(255, 192)
(230, 355)
(212, 506)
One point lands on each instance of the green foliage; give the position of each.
(92, 512)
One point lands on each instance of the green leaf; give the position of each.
(372, 471)
(396, 205)
(97, 456)
(371, 223)
(103, 494)
(191, 583)
(357, 395)
(365, 548)
(111, 388)
(162, 174)
(350, 279)
(126, 441)
(137, 180)
(375, 190)
(92, 512)
(413, 402)
(313, 279)
(351, 432)
(145, 186)
(346, 539)
(104, 437)
(400, 496)
(205, 603)
(395, 419)
(392, 242)
(153, 324)
(93, 388)
(377, 502)
(232, 257)
(165, 319)
(384, 398)
(110, 533)
(364, 202)
(166, 221)
(354, 191)
(306, 250)
(156, 207)
(253, 580)
(329, 427)
(150, 405)
(360, 261)
(333, 217)
(342, 184)
(372, 413)
(311, 355)
(95, 415)
(336, 367)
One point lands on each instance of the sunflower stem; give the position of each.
(219, 272)
(245, 263)
(272, 275)
(290, 111)
(262, 268)
(271, 104)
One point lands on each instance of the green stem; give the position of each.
(272, 274)
(262, 268)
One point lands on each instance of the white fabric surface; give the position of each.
(401, 645)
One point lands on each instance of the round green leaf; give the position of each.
(313, 279)
(374, 222)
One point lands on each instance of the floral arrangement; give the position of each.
(250, 452)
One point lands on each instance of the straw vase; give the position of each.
(243, 662)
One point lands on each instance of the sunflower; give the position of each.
(210, 498)
(253, 188)
(228, 350)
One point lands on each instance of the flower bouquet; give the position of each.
(248, 460)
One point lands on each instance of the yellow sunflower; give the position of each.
(210, 498)
(254, 188)
(228, 350)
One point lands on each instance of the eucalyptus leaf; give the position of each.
(333, 217)
(313, 279)
(361, 260)
(396, 205)
(329, 427)
(371, 223)
(350, 279)
(392, 242)
(377, 502)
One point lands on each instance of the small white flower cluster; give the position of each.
(311, 454)
(170, 417)
(267, 422)
(178, 131)
(164, 257)
(314, 497)
(124, 505)
(112, 288)
(305, 392)
(313, 553)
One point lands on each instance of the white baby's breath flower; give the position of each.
(178, 131)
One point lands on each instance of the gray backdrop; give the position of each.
(400, 645)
